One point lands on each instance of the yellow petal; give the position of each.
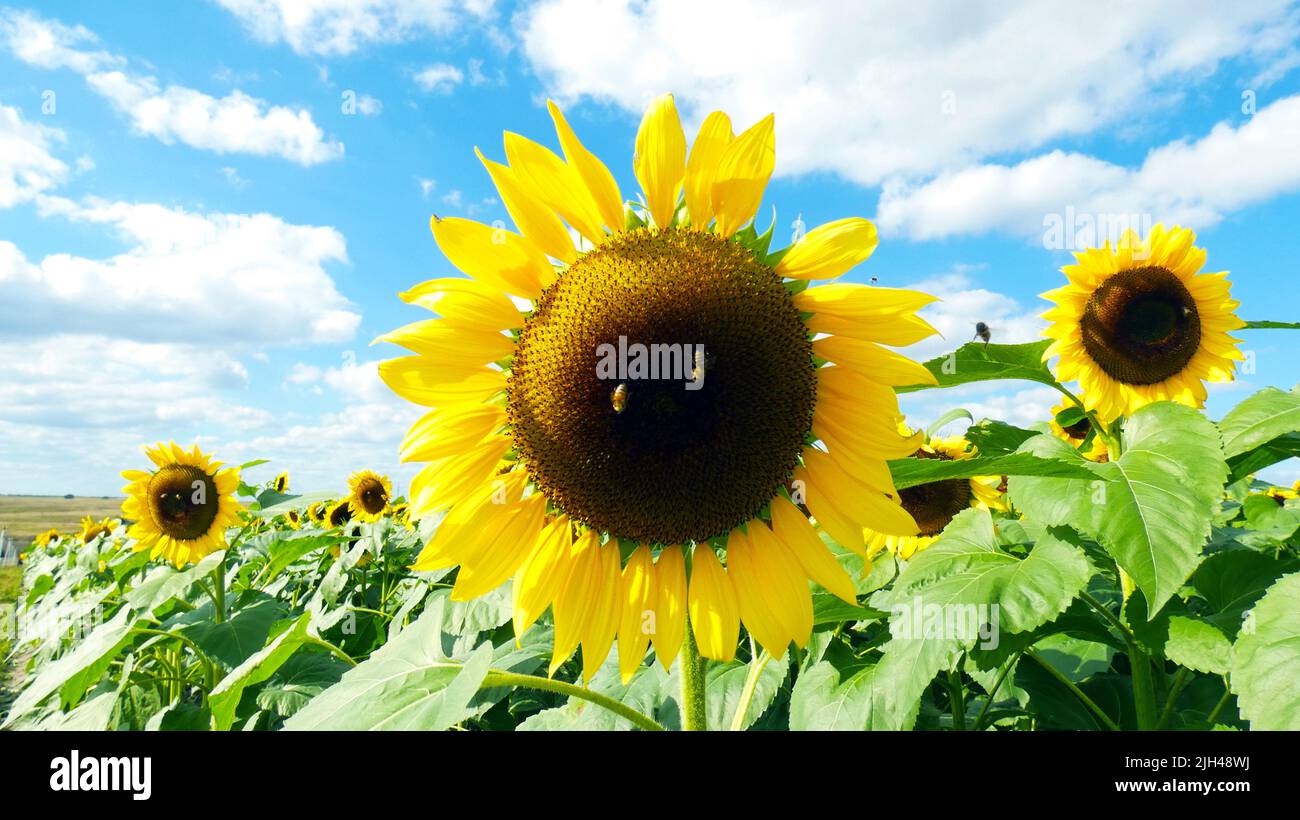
(466, 303)
(542, 574)
(577, 599)
(534, 220)
(420, 380)
(599, 181)
(494, 256)
(792, 529)
(714, 137)
(447, 481)
(781, 586)
(600, 629)
(670, 609)
(743, 171)
(556, 184)
(638, 611)
(660, 158)
(447, 431)
(451, 345)
(830, 250)
(873, 361)
(711, 600)
(490, 561)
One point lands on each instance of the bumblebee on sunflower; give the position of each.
(934, 504)
(182, 508)
(1139, 323)
(610, 502)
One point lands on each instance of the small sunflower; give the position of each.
(338, 513)
(294, 519)
(43, 540)
(934, 504)
(92, 529)
(545, 462)
(281, 483)
(316, 511)
(1138, 323)
(183, 508)
(1282, 494)
(368, 495)
(1076, 434)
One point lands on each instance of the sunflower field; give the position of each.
(666, 483)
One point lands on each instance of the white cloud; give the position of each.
(962, 303)
(221, 278)
(439, 78)
(236, 123)
(336, 27)
(1021, 407)
(871, 91)
(26, 165)
(369, 106)
(427, 186)
(1193, 182)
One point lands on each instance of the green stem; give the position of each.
(1175, 689)
(997, 684)
(496, 677)
(219, 590)
(1218, 707)
(957, 701)
(694, 713)
(1112, 444)
(334, 650)
(747, 694)
(1110, 617)
(1078, 693)
(1144, 693)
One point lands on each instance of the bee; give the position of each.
(982, 332)
(618, 398)
(875, 279)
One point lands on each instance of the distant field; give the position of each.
(24, 517)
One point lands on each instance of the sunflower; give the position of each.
(1282, 494)
(368, 495)
(182, 509)
(338, 513)
(294, 519)
(553, 453)
(43, 540)
(92, 529)
(934, 504)
(316, 511)
(281, 483)
(1076, 434)
(1138, 323)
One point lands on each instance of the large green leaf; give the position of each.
(236, 639)
(978, 362)
(224, 699)
(645, 692)
(909, 472)
(1198, 645)
(1266, 659)
(724, 683)
(1152, 509)
(75, 672)
(962, 591)
(1259, 419)
(164, 582)
(1232, 582)
(412, 682)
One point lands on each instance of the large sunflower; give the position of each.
(182, 509)
(596, 489)
(1138, 323)
(368, 495)
(934, 504)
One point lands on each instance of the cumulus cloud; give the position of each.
(1189, 181)
(439, 78)
(963, 301)
(337, 27)
(220, 278)
(27, 166)
(235, 123)
(872, 91)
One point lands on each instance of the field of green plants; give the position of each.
(1156, 590)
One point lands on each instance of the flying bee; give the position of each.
(983, 333)
(875, 279)
(618, 398)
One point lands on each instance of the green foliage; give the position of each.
(1266, 659)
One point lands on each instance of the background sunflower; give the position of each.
(182, 509)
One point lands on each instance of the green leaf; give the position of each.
(286, 551)
(1198, 645)
(1152, 509)
(942, 604)
(1259, 419)
(165, 582)
(235, 640)
(724, 683)
(909, 472)
(996, 437)
(1232, 582)
(1267, 325)
(72, 674)
(1266, 659)
(648, 689)
(1265, 455)
(821, 701)
(409, 683)
(259, 666)
(977, 362)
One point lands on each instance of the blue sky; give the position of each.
(205, 215)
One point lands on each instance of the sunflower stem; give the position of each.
(694, 713)
(1078, 693)
(219, 589)
(747, 694)
(497, 677)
